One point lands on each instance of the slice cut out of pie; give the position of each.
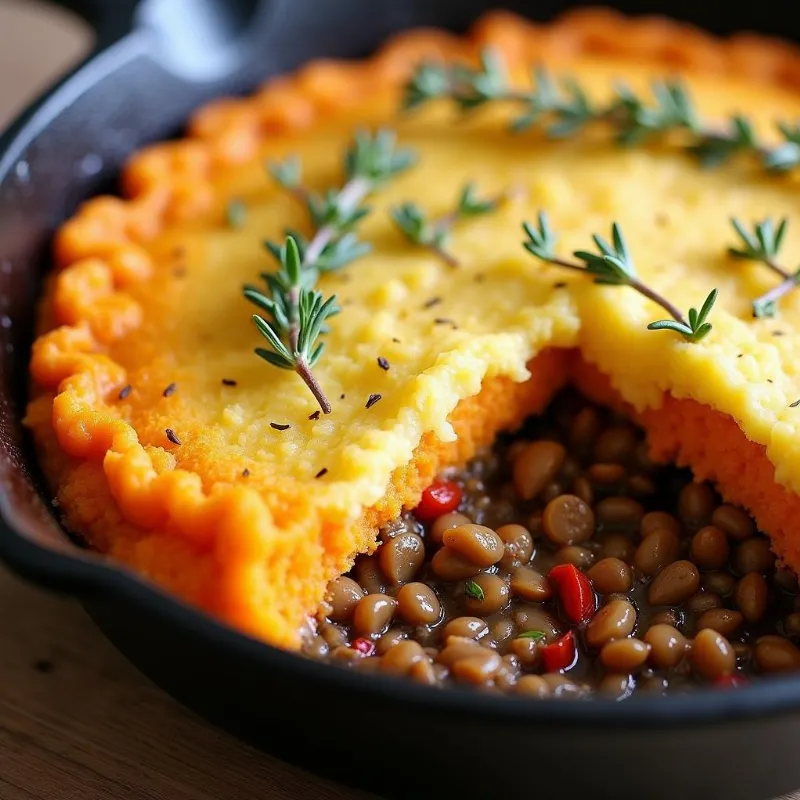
(173, 448)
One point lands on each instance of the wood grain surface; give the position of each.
(77, 722)
(37, 43)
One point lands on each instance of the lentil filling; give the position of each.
(563, 562)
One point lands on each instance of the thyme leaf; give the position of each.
(236, 214)
(535, 635)
(473, 589)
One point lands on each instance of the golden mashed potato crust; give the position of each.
(259, 555)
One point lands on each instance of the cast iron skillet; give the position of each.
(153, 66)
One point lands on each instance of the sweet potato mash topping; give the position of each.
(173, 448)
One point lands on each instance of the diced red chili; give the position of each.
(560, 654)
(439, 498)
(364, 646)
(574, 591)
(731, 681)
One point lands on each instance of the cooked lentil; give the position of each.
(686, 589)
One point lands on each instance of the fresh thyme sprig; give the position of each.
(415, 225)
(563, 108)
(297, 315)
(296, 311)
(763, 244)
(369, 163)
(613, 265)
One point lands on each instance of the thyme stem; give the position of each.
(778, 269)
(445, 255)
(304, 371)
(771, 297)
(349, 198)
(433, 234)
(634, 283)
(301, 366)
(658, 299)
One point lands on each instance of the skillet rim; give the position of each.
(85, 574)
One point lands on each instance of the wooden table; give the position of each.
(77, 722)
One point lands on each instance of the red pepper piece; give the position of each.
(560, 654)
(575, 592)
(364, 646)
(439, 498)
(731, 681)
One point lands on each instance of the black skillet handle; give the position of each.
(180, 19)
(195, 38)
(111, 19)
